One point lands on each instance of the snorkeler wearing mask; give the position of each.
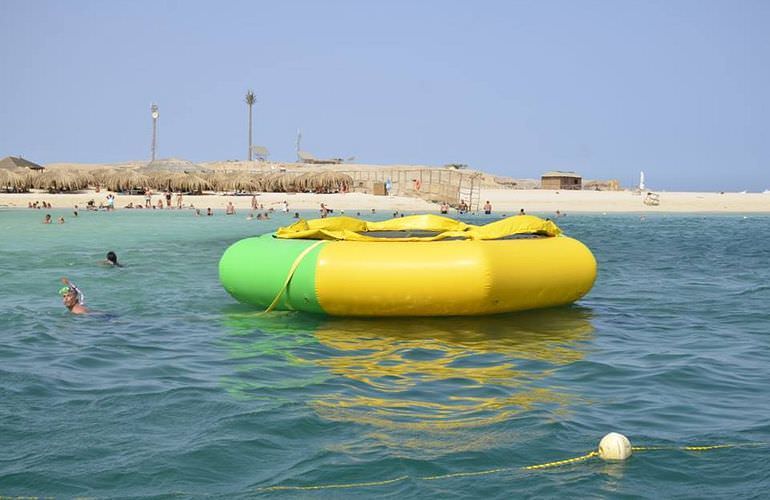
(73, 298)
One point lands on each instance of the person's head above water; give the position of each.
(112, 257)
(72, 297)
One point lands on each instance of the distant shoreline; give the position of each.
(504, 201)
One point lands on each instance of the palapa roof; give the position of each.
(173, 165)
(16, 162)
(558, 173)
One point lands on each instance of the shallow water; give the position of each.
(175, 389)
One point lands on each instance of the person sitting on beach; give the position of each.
(230, 208)
(73, 298)
(47, 219)
(160, 204)
(112, 260)
(487, 208)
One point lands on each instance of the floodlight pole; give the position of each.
(155, 114)
(299, 140)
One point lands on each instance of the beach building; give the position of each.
(18, 163)
(561, 180)
(305, 157)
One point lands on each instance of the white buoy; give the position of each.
(614, 446)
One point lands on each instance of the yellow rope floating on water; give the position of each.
(542, 466)
(333, 486)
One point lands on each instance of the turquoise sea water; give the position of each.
(176, 390)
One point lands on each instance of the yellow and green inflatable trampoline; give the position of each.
(421, 265)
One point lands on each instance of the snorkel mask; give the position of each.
(66, 290)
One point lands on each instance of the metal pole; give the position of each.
(250, 148)
(154, 111)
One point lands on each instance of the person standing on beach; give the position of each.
(324, 211)
(487, 208)
(147, 198)
(254, 202)
(179, 200)
(230, 208)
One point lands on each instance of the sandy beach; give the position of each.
(504, 201)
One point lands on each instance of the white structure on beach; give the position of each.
(641, 180)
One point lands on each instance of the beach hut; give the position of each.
(19, 163)
(172, 165)
(561, 180)
(260, 153)
(305, 157)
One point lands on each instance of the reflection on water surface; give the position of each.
(420, 378)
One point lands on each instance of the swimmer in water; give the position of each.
(73, 298)
(112, 260)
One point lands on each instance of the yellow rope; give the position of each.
(336, 486)
(466, 474)
(542, 466)
(562, 462)
(292, 269)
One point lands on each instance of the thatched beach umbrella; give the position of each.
(271, 182)
(247, 183)
(217, 180)
(304, 181)
(334, 181)
(164, 180)
(60, 180)
(192, 183)
(123, 180)
(100, 175)
(12, 180)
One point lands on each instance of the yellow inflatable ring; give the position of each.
(422, 265)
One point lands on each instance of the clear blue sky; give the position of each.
(679, 89)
